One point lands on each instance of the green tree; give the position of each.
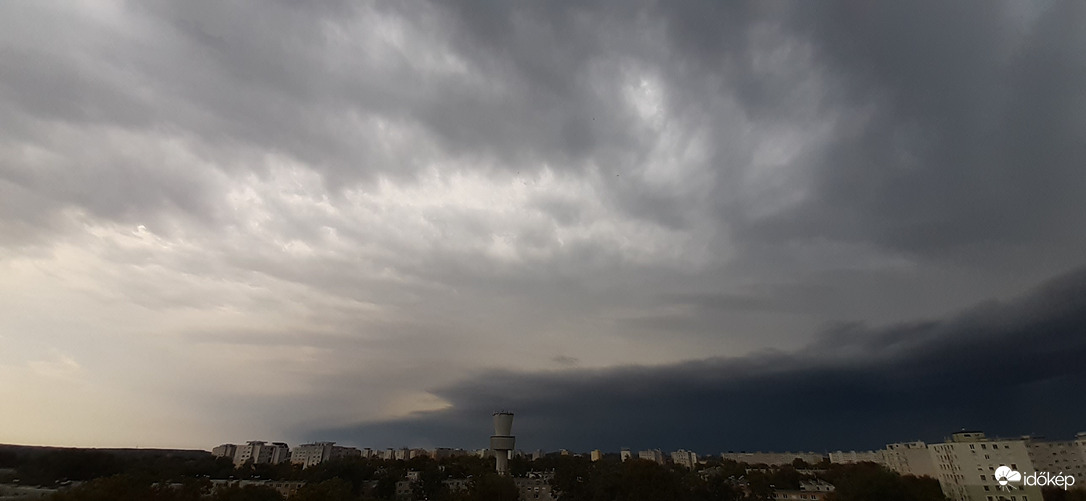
(130, 488)
(9, 459)
(925, 488)
(864, 481)
(386, 486)
(718, 488)
(761, 485)
(491, 487)
(267, 471)
(336, 489)
(356, 470)
(431, 485)
(235, 492)
(785, 477)
(69, 464)
(647, 481)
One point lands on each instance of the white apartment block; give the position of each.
(225, 451)
(442, 453)
(773, 458)
(652, 455)
(258, 452)
(851, 457)
(280, 453)
(310, 454)
(316, 453)
(625, 454)
(965, 466)
(251, 452)
(1066, 457)
(685, 458)
(909, 458)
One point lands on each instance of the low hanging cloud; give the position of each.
(1009, 368)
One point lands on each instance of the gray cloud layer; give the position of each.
(319, 213)
(1009, 368)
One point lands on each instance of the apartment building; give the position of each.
(851, 457)
(808, 491)
(652, 455)
(965, 466)
(258, 452)
(773, 458)
(684, 458)
(316, 453)
(536, 486)
(909, 458)
(1067, 457)
(225, 451)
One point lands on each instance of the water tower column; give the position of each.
(502, 442)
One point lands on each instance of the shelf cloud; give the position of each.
(269, 220)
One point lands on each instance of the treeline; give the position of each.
(96, 475)
(52, 467)
(102, 475)
(579, 479)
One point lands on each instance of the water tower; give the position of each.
(502, 442)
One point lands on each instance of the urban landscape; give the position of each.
(542, 250)
(968, 466)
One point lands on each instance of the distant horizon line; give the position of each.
(572, 451)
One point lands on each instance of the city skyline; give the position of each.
(749, 225)
(839, 455)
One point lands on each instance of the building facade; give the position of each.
(225, 451)
(773, 458)
(965, 466)
(909, 458)
(808, 491)
(852, 457)
(535, 486)
(1067, 457)
(652, 455)
(315, 453)
(257, 452)
(286, 488)
(685, 458)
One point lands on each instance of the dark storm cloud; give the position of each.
(1009, 368)
(955, 126)
(279, 80)
(972, 127)
(958, 124)
(442, 187)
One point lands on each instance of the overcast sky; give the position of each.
(710, 225)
